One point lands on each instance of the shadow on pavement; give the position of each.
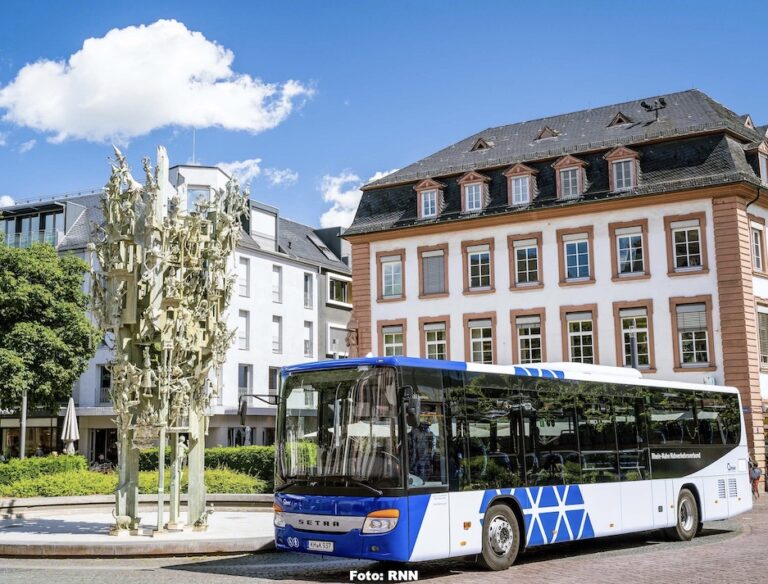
(312, 568)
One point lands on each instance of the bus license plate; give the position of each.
(319, 546)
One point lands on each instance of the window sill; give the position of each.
(472, 292)
(435, 295)
(647, 370)
(760, 274)
(524, 287)
(383, 299)
(336, 303)
(694, 369)
(631, 277)
(687, 272)
(580, 282)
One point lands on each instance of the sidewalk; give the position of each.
(69, 533)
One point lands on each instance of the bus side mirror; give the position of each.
(242, 410)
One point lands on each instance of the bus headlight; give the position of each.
(279, 519)
(381, 521)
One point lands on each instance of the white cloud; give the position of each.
(243, 170)
(27, 146)
(281, 176)
(6, 201)
(136, 79)
(343, 192)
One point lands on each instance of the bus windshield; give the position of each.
(341, 425)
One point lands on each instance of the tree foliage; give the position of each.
(46, 337)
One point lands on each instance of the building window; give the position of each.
(308, 290)
(529, 339)
(243, 330)
(521, 190)
(432, 267)
(569, 183)
(686, 244)
(393, 340)
(629, 249)
(392, 272)
(429, 203)
(435, 340)
(757, 248)
(309, 349)
(105, 384)
(197, 196)
(337, 342)
(277, 334)
(581, 339)
(244, 379)
(762, 329)
(623, 175)
(273, 380)
(692, 334)
(481, 341)
(635, 331)
(763, 168)
(576, 259)
(277, 284)
(244, 277)
(478, 265)
(526, 262)
(473, 197)
(339, 291)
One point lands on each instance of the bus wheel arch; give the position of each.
(687, 515)
(695, 492)
(504, 513)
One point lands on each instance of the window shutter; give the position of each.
(392, 330)
(338, 341)
(572, 316)
(629, 312)
(527, 320)
(434, 274)
(762, 326)
(486, 323)
(691, 317)
(438, 326)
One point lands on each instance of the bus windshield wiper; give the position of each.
(291, 480)
(356, 482)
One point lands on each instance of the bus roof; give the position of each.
(574, 371)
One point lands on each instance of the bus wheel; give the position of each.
(501, 538)
(687, 518)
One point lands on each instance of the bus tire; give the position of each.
(687, 525)
(501, 538)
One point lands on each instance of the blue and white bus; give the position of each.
(403, 459)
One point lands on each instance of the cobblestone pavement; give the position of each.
(726, 552)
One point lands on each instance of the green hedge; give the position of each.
(16, 469)
(70, 483)
(256, 461)
(83, 482)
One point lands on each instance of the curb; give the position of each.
(133, 549)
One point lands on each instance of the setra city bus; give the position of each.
(403, 459)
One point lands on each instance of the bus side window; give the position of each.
(456, 430)
(632, 439)
(597, 438)
(555, 429)
(673, 420)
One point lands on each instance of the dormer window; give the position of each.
(569, 183)
(429, 198)
(763, 158)
(520, 185)
(622, 168)
(474, 192)
(429, 203)
(570, 177)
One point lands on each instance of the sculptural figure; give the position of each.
(159, 275)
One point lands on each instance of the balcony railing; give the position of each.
(26, 239)
(104, 395)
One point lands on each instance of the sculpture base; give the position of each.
(174, 527)
(118, 532)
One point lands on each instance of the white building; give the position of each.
(572, 238)
(291, 304)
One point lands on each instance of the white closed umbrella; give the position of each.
(69, 432)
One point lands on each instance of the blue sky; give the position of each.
(377, 85)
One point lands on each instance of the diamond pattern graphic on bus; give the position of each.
(551, 514)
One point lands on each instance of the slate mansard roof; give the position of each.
(696, 142)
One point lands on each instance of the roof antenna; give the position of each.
(655, 106)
